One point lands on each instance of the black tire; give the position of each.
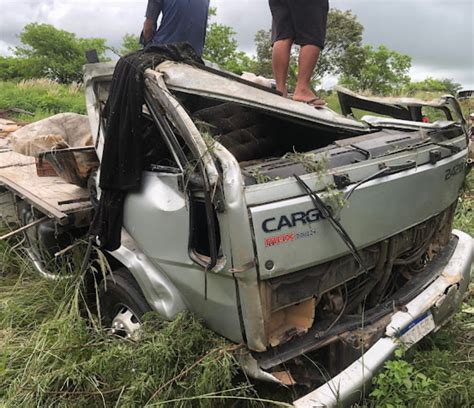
(120, 290)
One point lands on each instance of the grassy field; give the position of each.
(51, 354)
(42, 98)
(54, 353)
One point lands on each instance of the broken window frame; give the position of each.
(206, 261)
(408, 110)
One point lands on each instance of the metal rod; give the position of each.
(63, 251)
(67, 149)
(24, 228)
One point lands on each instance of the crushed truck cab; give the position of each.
(292, 230)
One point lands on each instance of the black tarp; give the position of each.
(123, 156)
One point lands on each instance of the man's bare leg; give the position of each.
(281, 62)
(309, 55)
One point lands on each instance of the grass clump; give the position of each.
(438, 373)
(65, 363)
(54, 353)
(401, 385)
(41, 97)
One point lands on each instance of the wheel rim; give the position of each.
(125, 324)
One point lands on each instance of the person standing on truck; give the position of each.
(182, 21)
(301, 22)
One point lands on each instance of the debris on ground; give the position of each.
(4, 113)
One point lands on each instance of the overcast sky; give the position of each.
(437, 34)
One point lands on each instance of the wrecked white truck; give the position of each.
(292, 230)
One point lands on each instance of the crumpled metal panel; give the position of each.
(293, 235)
(349, 386)
(192, 80)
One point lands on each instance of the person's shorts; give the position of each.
(303, 21)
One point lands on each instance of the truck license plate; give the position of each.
(418, 329)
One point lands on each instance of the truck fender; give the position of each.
(159, 291)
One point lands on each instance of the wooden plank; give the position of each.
(35, 200)
(51, 195)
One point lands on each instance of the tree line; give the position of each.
(46, 51)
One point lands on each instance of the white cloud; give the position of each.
(5, 48)
(460, 75)
(438, 34)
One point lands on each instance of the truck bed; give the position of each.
(62, 201)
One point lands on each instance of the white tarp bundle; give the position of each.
(66, 130)
(57, 132)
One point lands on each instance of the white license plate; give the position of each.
(418, 329)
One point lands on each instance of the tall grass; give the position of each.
(54, 353)
(41, 97)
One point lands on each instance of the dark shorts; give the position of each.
(304, 21)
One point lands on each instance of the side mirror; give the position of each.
(92, 57)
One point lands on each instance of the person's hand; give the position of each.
(148, 27)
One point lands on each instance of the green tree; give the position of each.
(56, 54)
(434, 85)
(263, 45)
(378, 71)
(17, 68)
(130, 43)
(221, 44)
(222, 48)
(239, 63)
(343, 42)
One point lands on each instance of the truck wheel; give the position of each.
(122, 304)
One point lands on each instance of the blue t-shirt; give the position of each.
(183, 21)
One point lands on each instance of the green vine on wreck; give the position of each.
(259, 177)
(319, 165)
